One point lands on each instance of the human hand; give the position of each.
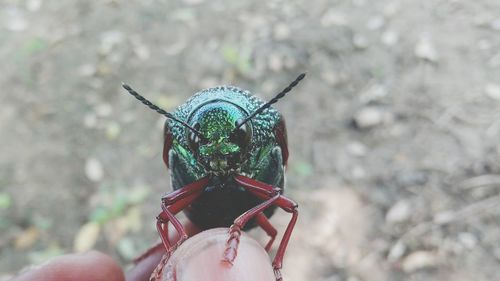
(198, 257)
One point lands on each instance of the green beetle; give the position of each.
(227, 151)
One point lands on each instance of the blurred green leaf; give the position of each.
(377, 72)
(5, 200)
(113, 130)
(303, 169)
(119, 206)
(34, 45)
(116, 200)
(230, 54)
(100, 215)
(238, 58)
(43, 223)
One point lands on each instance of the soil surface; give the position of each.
(393, 135)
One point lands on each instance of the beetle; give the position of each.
(227, 152)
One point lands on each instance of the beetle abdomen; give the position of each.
(220, 206)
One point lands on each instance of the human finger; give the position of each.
(92, 265)
(201, 258)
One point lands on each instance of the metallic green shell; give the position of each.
(223, 200)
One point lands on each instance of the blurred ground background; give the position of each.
(393, 135)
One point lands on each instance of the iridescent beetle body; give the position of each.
(217, 110)
(227, 151)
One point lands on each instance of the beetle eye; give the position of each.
(242, 135)
(194, 139)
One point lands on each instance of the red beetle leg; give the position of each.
(264, 223)
(173, 203)
(235, 230)
(258, 189)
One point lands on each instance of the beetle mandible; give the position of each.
(227, 152)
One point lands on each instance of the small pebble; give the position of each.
(360, 41)
(15, 20)
(399, 212)
(390, 38)
(396, 251)
(90, 120)
(444, 217)
(87, 70)
(373, 93)
(330, 77)
(275, 62)
(94, 170)
(391, 9)
(375, 23)
(103, 110)
(426, 50)
(484, 44)
(142, 51)
(356, 149)
(281, 31)
(332, 17)
(495, 25)
(468, 240)
(33, 5)
(492, 91)
(358, 172)
(408, 178)
(109, 39)
(419, 260)
(370, 117)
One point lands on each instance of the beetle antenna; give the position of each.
(159, 110)
(273, 100)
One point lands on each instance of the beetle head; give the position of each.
(224, 143)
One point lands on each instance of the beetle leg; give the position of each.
(235, 230)
(264, 223)
(257, 188)
(173, 203)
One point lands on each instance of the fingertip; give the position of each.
(91, 265)
(105, 267)
(202, 258)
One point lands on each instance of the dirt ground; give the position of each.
(393, 135)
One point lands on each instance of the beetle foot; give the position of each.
(277, 274)
(178, 243)
(157, 273)
(232, 244)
